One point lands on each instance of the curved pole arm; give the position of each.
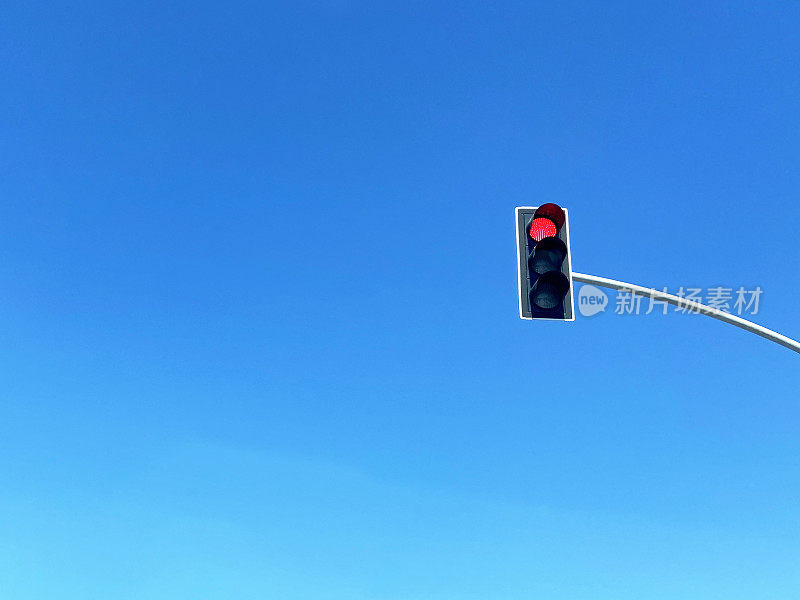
(692, 305)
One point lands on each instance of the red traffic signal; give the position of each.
(547, 222)
(545, 275)
(542, 228)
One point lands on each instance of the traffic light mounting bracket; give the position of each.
(680, 302)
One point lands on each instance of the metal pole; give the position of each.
(690, 304)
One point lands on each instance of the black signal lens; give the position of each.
(548, 255)
(549, 290)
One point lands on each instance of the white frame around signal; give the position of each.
(519, 273)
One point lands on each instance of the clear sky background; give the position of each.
(258, 317)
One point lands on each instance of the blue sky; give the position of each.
(258, 314)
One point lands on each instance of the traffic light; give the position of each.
(545, 270)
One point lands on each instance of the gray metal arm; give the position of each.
(691, 305)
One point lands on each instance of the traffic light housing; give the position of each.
(545, 269)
